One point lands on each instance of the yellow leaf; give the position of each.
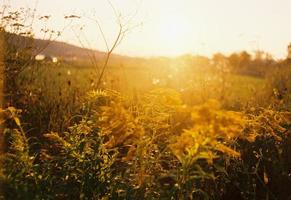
(266, 179)
(17, 121)
(227, 150)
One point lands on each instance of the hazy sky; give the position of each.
(173, 27)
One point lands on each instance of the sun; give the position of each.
(173, 32)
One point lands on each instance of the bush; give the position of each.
(154, 148)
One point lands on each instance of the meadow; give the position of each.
(149, 132)
(164, 128)
(64, 85)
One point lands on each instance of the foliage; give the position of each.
(73, 164)
(278, 88)
(222, 136)
(263, 172)
(153, 148)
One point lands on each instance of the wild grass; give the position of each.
(156, 148)
(162, 128)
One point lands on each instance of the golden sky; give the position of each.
(174, 27)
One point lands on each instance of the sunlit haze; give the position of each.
(178, 26)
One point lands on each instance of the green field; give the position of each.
(55, 78)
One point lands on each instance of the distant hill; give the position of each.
(64, 50)
(55, 48)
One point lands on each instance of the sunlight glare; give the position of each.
(173, 31)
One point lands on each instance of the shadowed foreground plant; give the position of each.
(72, 165)
(155, 148)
